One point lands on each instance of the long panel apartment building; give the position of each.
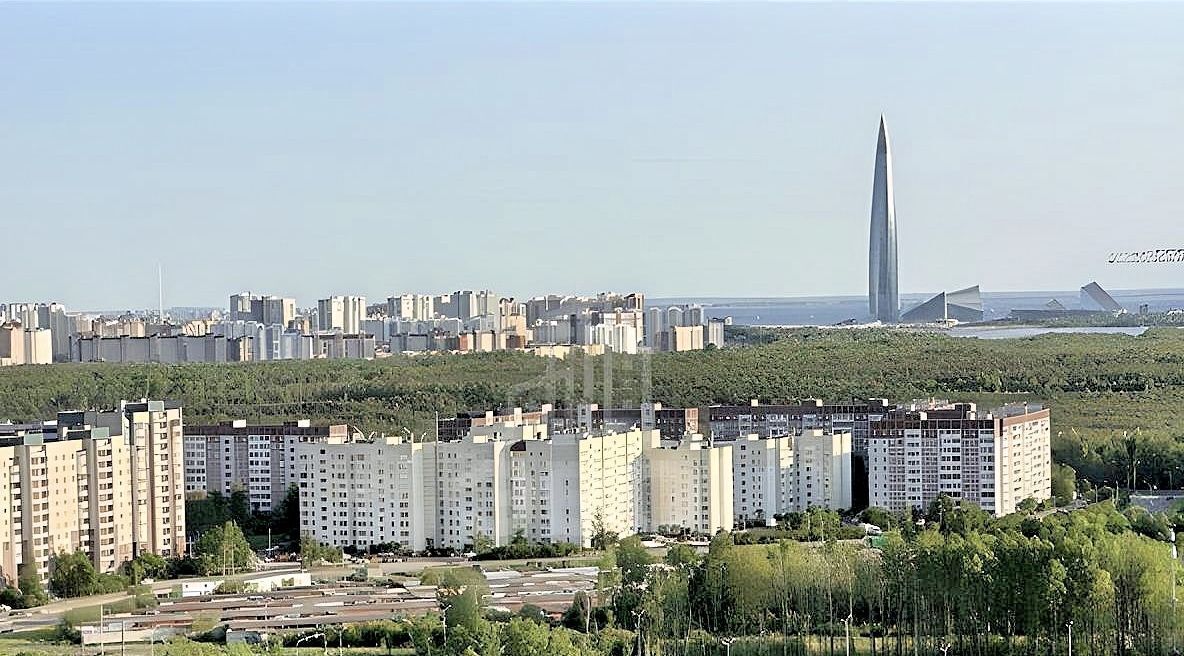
(258, 459)
(109, 484)
(780, 419)
(508, 478)
(994, 459)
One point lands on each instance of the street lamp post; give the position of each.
(322, 636)
(728, 645)
(1070, 637)
(847, 634)
(1175, 556)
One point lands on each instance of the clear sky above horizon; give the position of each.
(678, 149)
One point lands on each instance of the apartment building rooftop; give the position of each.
(241, 427)
(30, 434)
(962, 412)
(150, 406)
(803, 406)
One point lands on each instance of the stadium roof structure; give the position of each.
(962, 305)
(1093, 297)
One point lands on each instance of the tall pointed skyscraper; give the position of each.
(882, 295)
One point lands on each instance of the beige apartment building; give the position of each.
(791, 473)
(563, 486)
(20, 345)
(690, 486)
(503, 478)
(417, 494)
(994, 459)
(107, 483)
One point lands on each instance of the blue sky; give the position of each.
(680, 149)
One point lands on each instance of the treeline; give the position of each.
(1098, 385)
(382, 394)
(519, 548)
(215, 509)
(952, 581)
(72, 574)
(961, 582)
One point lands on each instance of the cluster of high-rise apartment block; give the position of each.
(108, 484)
(269, 327)
(112, 483)
(483, 321)
(33, 333)
(908, 455)
(507, 478)
(559, 474)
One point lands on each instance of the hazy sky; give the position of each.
(705, 149)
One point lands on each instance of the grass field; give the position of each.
(91, 613)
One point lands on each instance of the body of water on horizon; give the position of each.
(831, 310)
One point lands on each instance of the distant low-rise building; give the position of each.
(245, 343)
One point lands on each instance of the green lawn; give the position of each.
(87, 614)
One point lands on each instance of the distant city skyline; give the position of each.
(310, 150)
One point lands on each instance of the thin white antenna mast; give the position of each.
(160, 292)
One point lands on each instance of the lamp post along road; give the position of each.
(1175, 555)
(847, 634)
(324, 641)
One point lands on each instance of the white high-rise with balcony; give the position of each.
(994, 459)
(510, 477)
